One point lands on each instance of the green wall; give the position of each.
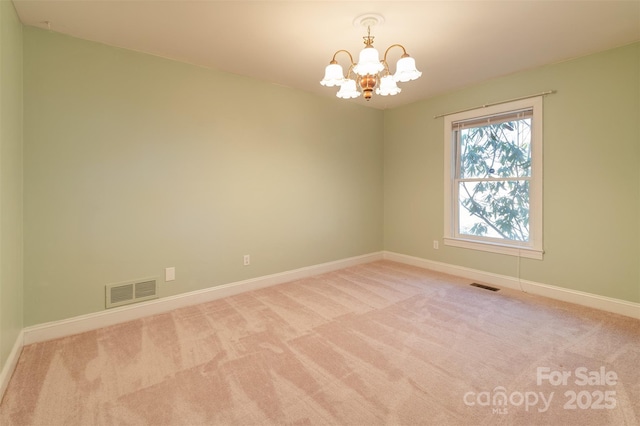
(591, 175)
(11, 306)
(134, 163)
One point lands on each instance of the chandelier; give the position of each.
(370, 72)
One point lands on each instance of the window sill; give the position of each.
(495, 248)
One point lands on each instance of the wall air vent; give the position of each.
(131, 292)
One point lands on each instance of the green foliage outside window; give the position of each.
(493, 180)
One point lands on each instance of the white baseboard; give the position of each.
(603, 303)
(82, 323)
(10, 364)
(79, 324)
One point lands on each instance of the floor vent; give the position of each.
(486, 287)
(132, 292)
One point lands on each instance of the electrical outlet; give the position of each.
(436, 245)
(247, 260)
(170, 274)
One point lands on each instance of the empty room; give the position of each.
(319, 212)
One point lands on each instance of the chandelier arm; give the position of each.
(350, 71)
(404, 51)
(386, 66)
(333, 60)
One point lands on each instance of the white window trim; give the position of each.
(534, 248)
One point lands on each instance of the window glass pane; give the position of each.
(499, 150)
(495, 209)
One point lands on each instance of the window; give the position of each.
(493, 178)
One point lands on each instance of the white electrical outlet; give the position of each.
(247, 260)
(170, 274)
(436, 245)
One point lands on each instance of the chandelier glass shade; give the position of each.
(370, 73)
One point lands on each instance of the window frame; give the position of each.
(530, 249)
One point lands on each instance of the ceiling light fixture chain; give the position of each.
(368, 39)
(369, 72)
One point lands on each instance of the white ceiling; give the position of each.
(454, 43)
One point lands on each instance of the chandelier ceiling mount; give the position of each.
(368, 20)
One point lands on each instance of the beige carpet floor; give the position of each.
(376, 344)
